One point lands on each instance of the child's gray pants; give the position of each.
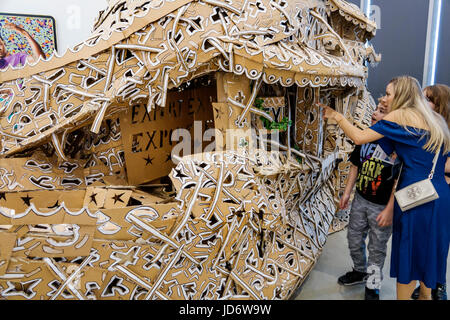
(362, 221)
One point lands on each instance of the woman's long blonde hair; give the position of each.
(408, 98)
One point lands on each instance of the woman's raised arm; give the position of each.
(357, 135)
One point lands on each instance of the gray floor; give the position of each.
(335, 261)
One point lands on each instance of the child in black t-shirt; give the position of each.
(374, 182)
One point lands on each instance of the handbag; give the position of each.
(418, 193)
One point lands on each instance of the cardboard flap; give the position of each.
(7, 242)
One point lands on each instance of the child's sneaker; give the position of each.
(372, 294)
(352, 278)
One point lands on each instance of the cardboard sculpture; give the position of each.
(105, 195)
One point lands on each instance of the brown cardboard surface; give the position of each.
(92, 205)
(39, 173)
(7, 241)
(147, 137)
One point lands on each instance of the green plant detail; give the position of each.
(272, 125)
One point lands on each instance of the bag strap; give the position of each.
(430, 176)
(434, 163)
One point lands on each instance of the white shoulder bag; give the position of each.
(418, 193)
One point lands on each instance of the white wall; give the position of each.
(73, 18)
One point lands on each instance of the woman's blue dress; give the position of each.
(420, 236)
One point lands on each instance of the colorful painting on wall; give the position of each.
(26, 37)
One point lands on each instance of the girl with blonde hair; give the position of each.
(421, 235)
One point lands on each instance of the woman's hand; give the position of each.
(328, 113)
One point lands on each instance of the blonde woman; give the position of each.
(438, 97)
(421, 236)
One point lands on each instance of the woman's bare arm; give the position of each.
(357, 135)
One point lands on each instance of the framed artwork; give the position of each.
(25, 37)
